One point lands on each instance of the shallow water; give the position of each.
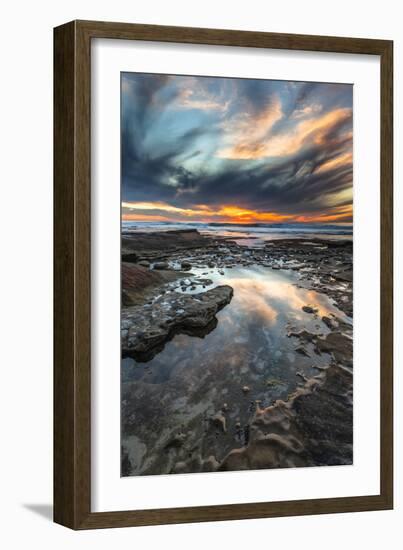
(193, 378)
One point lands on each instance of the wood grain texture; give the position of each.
(72, 274)
(64, 367)
(72, 296)
(387, 273)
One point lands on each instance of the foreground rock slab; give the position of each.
(144, 329)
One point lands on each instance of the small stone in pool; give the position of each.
(309, 309)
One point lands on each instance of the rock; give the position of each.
(330, 323)
(144, 331)
(161, 265)
(273, 382)
(303, 335)
(219, 421)
(202, 281)
(339, 345)
(144, 263)
(186, 265)
(302, 375)
(152, 244)
(309, 309)
(245, 389)
(180, 467)
(210, 464)
(176, 441)
(314, 427)
(302, 351)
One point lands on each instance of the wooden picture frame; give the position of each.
(72, 269)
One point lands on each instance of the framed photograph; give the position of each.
(222, 275)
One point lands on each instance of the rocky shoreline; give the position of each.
(167, 290)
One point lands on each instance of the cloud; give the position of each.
(248, 132)
(271, 149)
(314, 130)
(193, 99)
(306, 111)
(344, 160)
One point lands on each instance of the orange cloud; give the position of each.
(164, 207)
(337, 162)
(334, 214)
(249, 131)
(310, 131)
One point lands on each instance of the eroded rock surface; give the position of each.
(144, 246)
(144, 329)
(312, 428)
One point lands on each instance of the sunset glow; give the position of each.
(225, 214)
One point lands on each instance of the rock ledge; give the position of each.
(146, 329)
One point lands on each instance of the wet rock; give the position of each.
(204, 282)
(303, 335)
(210, 464)
(245, 389)
(329, 322)
(273, 382)
(161, 265)
(302, 351)
(146, 330)
(186, 265)
(338, 344)
(176, 441)
(301, 375)
(219, 421)
(154, 245)
(139, 281)
(314, 427)
(180, 468)
(309, 309)
(144, 263)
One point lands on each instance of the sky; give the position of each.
(229, 150)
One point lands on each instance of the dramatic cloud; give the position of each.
(221, 149)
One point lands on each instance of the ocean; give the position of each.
(250, 234)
